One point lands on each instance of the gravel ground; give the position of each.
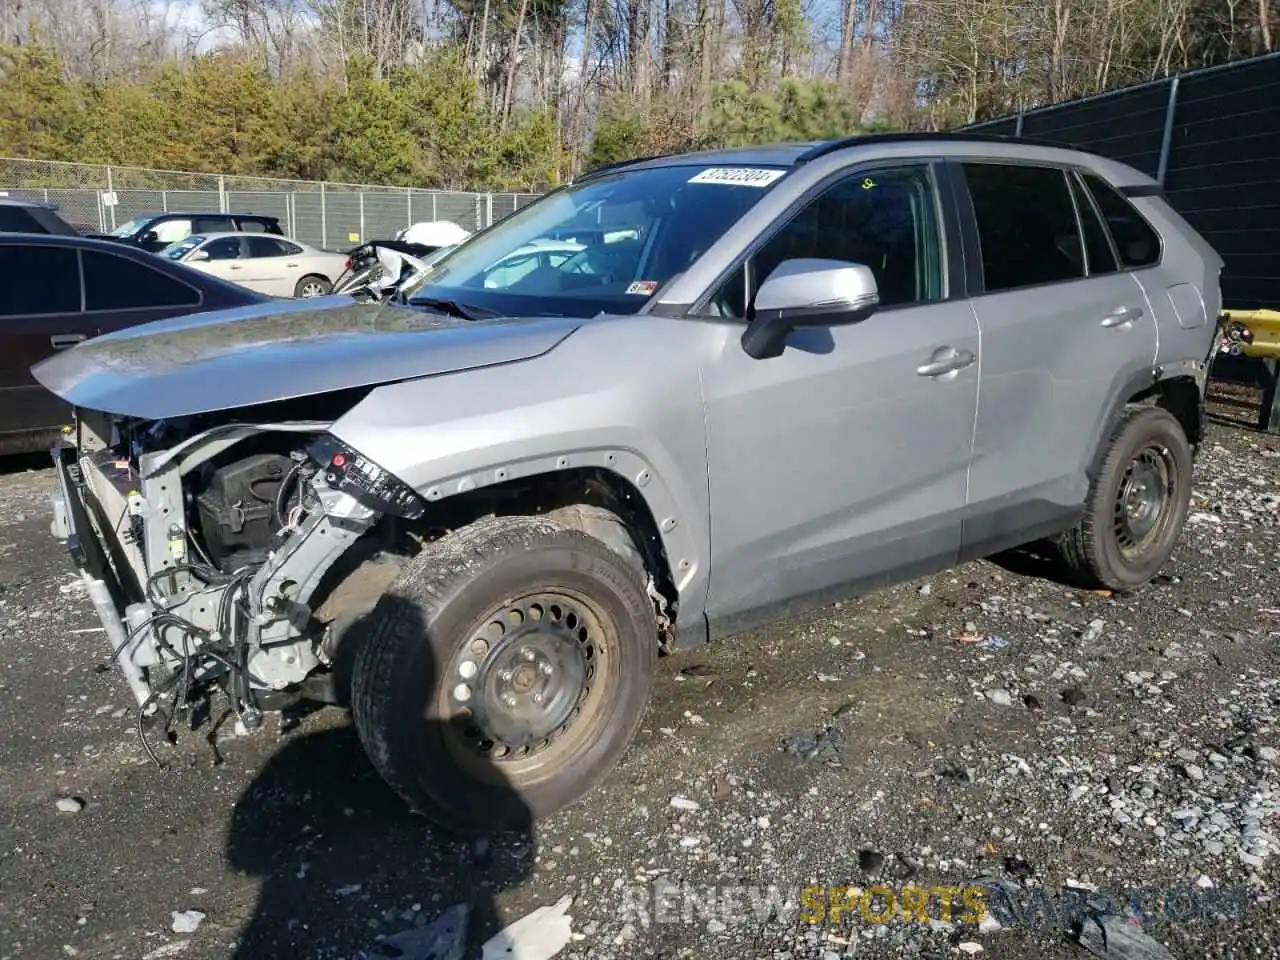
(1088, 749)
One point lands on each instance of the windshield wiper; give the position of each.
(452, 307)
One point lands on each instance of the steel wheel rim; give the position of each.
(1143, 500)
(548, 643)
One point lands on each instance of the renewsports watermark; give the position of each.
(664, 901)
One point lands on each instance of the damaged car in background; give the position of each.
(747, 384)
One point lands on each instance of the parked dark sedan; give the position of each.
(56, 291)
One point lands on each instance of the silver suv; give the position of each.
(675, 399)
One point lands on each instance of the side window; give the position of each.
(117, 283)
(885, 219)
(1137, 243)
(213, 225)
(266, 247)
(1026, 225)
(1097, 245)
(171, 231)
(246, 225)
(224, 248)
(58, 290)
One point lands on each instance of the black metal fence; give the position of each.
(1212, 138)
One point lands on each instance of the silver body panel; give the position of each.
(775, 483)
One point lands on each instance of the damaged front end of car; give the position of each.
(204, 543)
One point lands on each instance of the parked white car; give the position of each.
(528, 258)
(276, 266)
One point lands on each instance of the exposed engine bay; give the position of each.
(217, 535)
(235, 554)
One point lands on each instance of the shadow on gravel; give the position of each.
(11, 463)
(1039, 560)
(342, 860)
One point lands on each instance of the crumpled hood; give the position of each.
(223, 359)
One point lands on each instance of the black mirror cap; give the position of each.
(766, 334)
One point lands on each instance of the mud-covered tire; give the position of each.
(1100, 550)
(443, 612)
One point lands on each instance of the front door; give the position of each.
(226, 259)
(1062, 331)
(842, 464)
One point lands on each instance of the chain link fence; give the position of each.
(327, 215)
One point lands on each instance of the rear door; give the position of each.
(1063, 330)
(40, 314)
(269, 267)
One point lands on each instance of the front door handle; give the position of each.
(1121, 316)
(60, 341)
(234, 266)
(949, 362)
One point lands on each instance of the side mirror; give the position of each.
(808, 293)
(198, 256)
(149, 236)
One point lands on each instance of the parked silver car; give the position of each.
(771, 378)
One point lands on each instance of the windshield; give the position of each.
(176, 251)
(130, 228)
(602, 246)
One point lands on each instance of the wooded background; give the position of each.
(521, 94)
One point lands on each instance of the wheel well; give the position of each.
(1181, 397)
(584, 486)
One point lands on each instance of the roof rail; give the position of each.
(606, 168)
(909, 136)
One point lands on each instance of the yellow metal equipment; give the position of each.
(1251, 333)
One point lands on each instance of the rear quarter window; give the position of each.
(1137, 243)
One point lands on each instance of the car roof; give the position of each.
(795, 154)
(216, 234)
(152, 214)
(27, 202)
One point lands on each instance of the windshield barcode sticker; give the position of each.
(737, 176)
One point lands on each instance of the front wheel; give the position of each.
(505, 672)
(1137, 504)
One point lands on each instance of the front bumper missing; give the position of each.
(72, 524)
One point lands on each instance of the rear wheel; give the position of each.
(311, 286)
(506, 671)
(1137, 504)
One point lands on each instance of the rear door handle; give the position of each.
(290, 264)
(60, 341)
(1121, 316)
(957, 360)
(234, 266)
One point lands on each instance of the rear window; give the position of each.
(56, 285)
(1136, 242)
(118, 283)
(16, 219)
